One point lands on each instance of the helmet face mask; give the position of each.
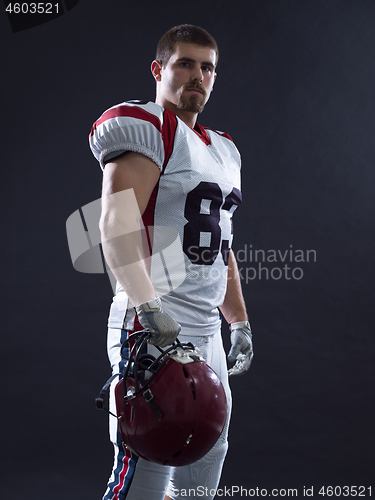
(171, 409)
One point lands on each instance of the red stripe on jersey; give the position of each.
(168, 133)
(223, 134)
(129, 111)
(148, 234)
(148, 216)
(201, 132)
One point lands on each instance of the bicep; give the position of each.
(131, 171)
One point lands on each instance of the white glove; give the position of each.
(242, 348)
(163, 328)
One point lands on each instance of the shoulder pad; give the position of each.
(130, 126)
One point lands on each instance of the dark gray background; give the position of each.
(295, 90)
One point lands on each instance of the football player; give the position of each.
(170, 187)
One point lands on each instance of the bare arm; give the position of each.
(233, 307)
(128, 183)
(234, 311)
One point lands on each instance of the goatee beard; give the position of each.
(193, 103)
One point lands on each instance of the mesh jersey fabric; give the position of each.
(189, 216)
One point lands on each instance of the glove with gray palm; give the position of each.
(241, 351)
(163, 329)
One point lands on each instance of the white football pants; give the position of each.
(138, 479)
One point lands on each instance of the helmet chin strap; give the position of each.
(99, 401)
(134, 358)
(139, 340)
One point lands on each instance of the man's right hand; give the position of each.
(164, 330)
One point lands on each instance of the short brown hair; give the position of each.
(184, 33)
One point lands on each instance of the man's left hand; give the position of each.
(242, 348)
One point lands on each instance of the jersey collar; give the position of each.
(201, 133)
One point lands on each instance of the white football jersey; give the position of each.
(189, 213)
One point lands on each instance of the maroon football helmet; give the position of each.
(171, 409)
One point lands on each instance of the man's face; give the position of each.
(187, 79)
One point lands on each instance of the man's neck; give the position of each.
(189, 118)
